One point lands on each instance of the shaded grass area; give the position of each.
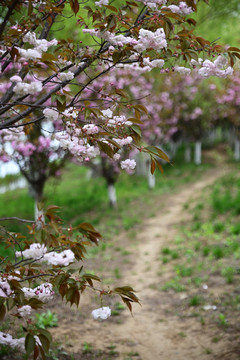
(83, 199)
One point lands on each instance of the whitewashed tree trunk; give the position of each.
(236, 149)
(38, 212)
(141, 167)
(151, 180)
(198, 153)
(187, 153)
(112, 195)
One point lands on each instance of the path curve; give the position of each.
(151, 333)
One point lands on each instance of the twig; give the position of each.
(16, 218)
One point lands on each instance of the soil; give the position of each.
(158, 328)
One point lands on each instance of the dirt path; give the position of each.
(155, 331)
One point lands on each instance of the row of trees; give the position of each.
(56, 103)
(184, 108)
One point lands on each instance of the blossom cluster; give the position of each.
(25, 311)
(79, 147)
(216, 68)
(40, 46)
(147, 39)
(39, 252)
(35, 251)
(7, 339)
(101, 313)
(5, 290)
(23, 88)
(153, 4)
(181, 9)
(44, 292)
(100, 3)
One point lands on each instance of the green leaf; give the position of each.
(136, 129)
(46, 333)
(45, 342)
(30, 343)
(105, 148)
(141, 107)
(116, 56)
(42, 353)
(30, 8)
(61, 107)
(121, 93)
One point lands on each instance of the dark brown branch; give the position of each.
(9, 13)
(34, 276)
(80, 69)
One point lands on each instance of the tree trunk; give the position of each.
(187, 153)
(112, 196)
(36, 191)
(236, 149)
(141, 168)
(173, 148)
(38, 212)
(151, 178)
(198, 153)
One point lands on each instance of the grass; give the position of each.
(83, 200)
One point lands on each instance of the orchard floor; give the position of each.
(164, 326)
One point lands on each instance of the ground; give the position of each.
(171, 323)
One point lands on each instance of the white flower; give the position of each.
(66, 76)
(125, 141)
(18, 344)
(128, 164)
(25, 311)
(35, 87)
(21, 88)
(16, 79)
(5, 290)
(101, 2)
(63, 258)
(50, 114)
(148, 39)
(90, 129)
(7, 339)
(35, 251)
(154, 63)
(101, 313)
(116, 157)
(43, 292)
(182, 70)
(205, 287)
(30, 54)
(107, 113)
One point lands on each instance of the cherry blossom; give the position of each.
(35, 251)
(101, 313)
(128, 164)
(24, 311)
(43, 292)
